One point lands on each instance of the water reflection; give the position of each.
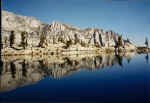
(147, 58)
(20, 71)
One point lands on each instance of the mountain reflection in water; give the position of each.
(20, 71)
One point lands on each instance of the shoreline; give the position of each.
(60, 57)
(43, 51)
(143, 50)
(48, 51)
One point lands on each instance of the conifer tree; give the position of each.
(24, 42)
(146, 42)
(12, 38)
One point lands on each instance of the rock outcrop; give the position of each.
(54, 35)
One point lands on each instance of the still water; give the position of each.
(76, 78)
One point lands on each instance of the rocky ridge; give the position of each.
(55, 36)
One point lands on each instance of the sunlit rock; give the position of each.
(54, 35)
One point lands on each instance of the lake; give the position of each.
(90, 78)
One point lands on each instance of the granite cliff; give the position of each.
(27, 33)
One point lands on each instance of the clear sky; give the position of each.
(127, 17)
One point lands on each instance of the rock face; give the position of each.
(63, 35)
(11, 21)
(18, 24)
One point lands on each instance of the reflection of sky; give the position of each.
(130, 83)
(129, 18)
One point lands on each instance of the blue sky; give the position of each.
(130, 18)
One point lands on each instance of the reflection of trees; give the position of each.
(13, 69)
(68, 61)
(24, 68)
(108, 58)
(120, 59)
(100, 60)
(147, 58)
(1, 66)
(90, 63)
(43, 66)
(129, 59)
(95, 62)
(41, 62)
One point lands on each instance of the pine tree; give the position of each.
(146, 42)
(76, 39)
(128, 40)
(42, 41)
(12, 38)
(120, 41)
(24, 42)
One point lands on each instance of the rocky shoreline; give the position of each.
(143, 50)
(71, 51)
(48, 51)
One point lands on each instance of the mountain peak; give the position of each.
(56, 22)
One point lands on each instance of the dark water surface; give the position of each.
(88, 79)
